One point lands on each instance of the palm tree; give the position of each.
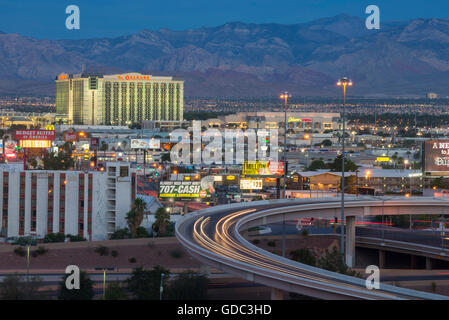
(162, 217)
(134, 217)
(104, 148)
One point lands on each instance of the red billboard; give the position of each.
(436, 156)
(70, 136)
(35, 135)
(94, 142)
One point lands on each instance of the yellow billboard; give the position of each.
(263, 168)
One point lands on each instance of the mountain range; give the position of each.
(406, 58)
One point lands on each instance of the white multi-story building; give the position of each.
(119, 99)
(90, 204)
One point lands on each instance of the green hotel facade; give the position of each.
(119, 99)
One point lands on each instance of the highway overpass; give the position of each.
(213, 236)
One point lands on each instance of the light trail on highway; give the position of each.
(215, 233)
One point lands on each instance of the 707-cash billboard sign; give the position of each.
(182, 189)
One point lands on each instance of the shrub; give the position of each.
(256, 241)
(102, 250)
(54, 237)
(145, 284)
(20, 251)
(176, 253)
(38, 252)
(433, 286)
(17, 287)
(304, 255)
(114, 253)
(271, 243)
(333, 261)
(76, 238)
(41, 250)
(115, 291)
(304, 232)
(24, 241)
(181, 287)
(121, 234)
(132, 260)
(141, 232)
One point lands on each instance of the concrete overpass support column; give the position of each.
(205, 269)
(350, 242)
(428, 263)
(413, 261)
(381, 259)
(277, 294)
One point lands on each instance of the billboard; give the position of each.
(184, 189)
(436, 156)
(251, 184)
(94, 142)
(10, 149)
(145, 143)
(70, 136)
(35, 135)
(263, 168)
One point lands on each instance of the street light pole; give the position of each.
(285, 96)
(161, 288)
(344, 82)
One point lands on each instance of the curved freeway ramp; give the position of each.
(212, 236)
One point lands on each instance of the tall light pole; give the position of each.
(161, 287)
(285, 95)
(343, 82)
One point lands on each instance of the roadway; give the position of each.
(211, 236)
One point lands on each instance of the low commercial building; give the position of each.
(381, 180)
(88, 204)
(297, 121)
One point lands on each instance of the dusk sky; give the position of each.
(111, 18)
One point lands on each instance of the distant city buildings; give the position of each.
(298, 121)
(119, 99)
